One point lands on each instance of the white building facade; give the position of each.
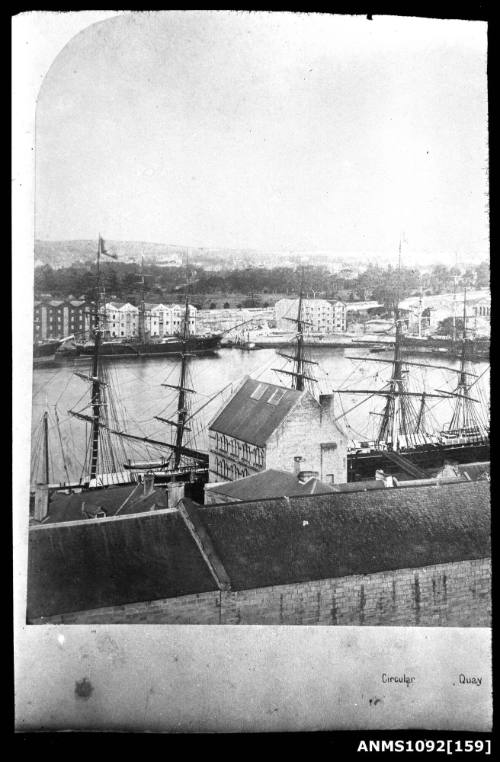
(168, 319)
(160, 320)
(319, 315)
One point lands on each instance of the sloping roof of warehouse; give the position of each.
(269, 483)
(126, 500)
(280, 541)
(90, 564)
(253, 419)
(83, 565)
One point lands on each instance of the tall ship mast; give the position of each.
(102, 463)
(299, 377)
(146, 345)
(403, 440)
(101, 467)
(142, 306)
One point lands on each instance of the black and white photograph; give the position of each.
(254, 343)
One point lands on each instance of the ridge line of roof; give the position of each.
(241, 503)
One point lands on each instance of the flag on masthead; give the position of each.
(106, 253)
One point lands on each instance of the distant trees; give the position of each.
(483, 275)
(383, 284)
(445, 327)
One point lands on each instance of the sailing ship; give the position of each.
(404, 441)
(45, 351)
(107, 464)
(146, 346)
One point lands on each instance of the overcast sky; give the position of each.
(265, 130)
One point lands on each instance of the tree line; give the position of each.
(122, 281)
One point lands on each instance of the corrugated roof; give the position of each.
(269, 483)
(280, 541)
(254, 420)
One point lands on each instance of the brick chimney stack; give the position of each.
(175, 491)
(41, 502)
(296, 465)
(149, 483)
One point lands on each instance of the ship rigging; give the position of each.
(106, 462)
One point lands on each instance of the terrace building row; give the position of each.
(55, 319)
(122, 319)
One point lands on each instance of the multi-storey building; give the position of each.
(168, 319)
(123, 319)
(319, 315)
(55, 319)
(267, 426)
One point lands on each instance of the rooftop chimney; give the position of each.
(149, 483)
(305, 476)
(296, 464)
(175, 491)
(388, 479)
(41, 502)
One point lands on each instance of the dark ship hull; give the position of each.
(44, 352)
(362, 466)
(45, 349)
(173, 345)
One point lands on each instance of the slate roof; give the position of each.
(280, 541)
(478, 470)
(362, 486)
(69, 507)
(105, 562)
(269, 483)
(254, 420)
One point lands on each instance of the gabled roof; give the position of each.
(121, 306)
(254, 420)
(269, 483)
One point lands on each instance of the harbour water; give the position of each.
(138, 395)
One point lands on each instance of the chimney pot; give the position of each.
(175, 492)
(296, 464)
(41, 502)
(305, 476)
(149, 482)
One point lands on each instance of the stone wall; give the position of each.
(451, 595)
(303, 432)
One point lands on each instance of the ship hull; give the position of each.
(363, 466)
(197, 344)
(45, 349)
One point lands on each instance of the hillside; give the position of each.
(64, 253)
